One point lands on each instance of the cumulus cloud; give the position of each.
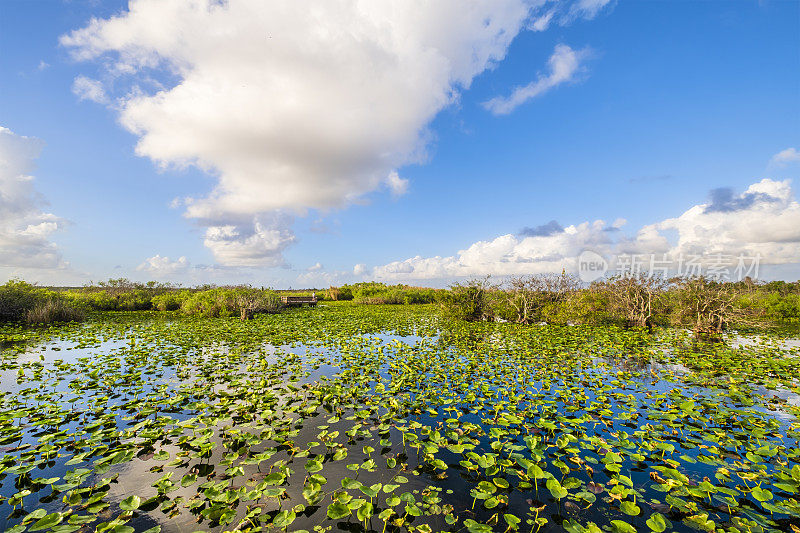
(88, 89)
(784, 157)
(25, 229)
(290, 105)
(246, 245)
(724, 200)
(564, 65)
(506, 255)
(161, 266)
(764, 221)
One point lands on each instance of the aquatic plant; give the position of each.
(389, 418)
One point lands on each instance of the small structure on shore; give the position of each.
(299, 301)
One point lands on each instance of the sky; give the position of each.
(306, 144)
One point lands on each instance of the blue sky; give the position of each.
(659, 104)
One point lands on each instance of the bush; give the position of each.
(590, 306)
(96, 301)
(470, 301)
(709, 307)
(380, 293)
(119, 295)
(170, 301)
(232, 301)
(18, 297)
(22, 301)
(531, 299)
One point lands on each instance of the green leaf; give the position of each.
(284, 518)
(365, 511)
(556, 489)
(657, 522)
(131, 503)
(512, 521)
(350, 484)
(629, 508)
(53, 519)
(622, 527)
(338, 510)
(762, 495)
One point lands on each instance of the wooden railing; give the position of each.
(299, 300)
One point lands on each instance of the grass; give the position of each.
(53, 310)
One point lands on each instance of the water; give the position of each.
(86, 381)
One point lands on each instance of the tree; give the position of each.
(251, 301)
(529, 296)
(633, 297)
(470, 300)
(708, 306)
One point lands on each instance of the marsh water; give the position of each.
(359, 420)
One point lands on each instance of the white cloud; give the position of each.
(565, 13)
(293, 105)
(506, 255)
(161, 266)
(315, 267)
(320, 278)
(245, 245)
(542, 22)
(24, 228)
(88, 89)
(182, 270)
(565, 64)
(764, 220)
(784, 157)
(360, 269)
(398, 185)
(587, 9)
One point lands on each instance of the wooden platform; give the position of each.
(297, 301)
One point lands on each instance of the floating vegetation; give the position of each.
(378, 418)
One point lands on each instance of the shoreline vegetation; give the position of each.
(703, 305)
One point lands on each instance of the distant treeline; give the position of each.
(21, 301)
(702, 304)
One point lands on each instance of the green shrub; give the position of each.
(18, 297)
(470, 300)
(380, 293)
(22, 301)
(232, 301)
(95, 301)
(171, 301)
(340, 293)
